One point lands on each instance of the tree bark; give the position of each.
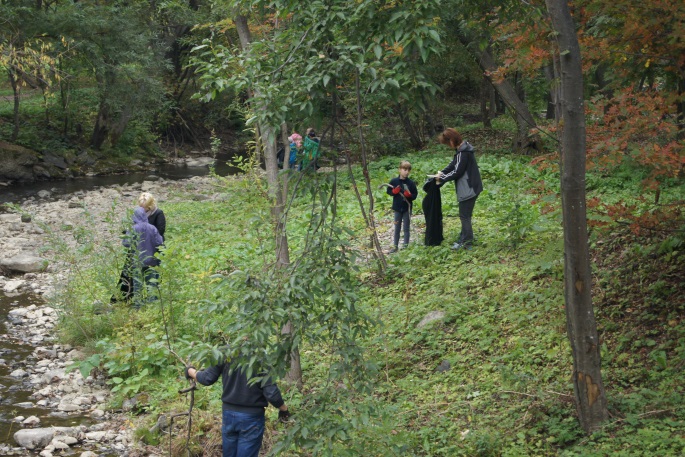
(101, 128)
(16, 91)
(520, 112)
(591, 402)
(485, 97)
(269, 141)
(403, 114)
(375, 242)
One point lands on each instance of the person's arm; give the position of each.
(392, 190)
(413, 191)
(273, 395)
(161, 223)
(205, 377)
(158, 239)
(455, 169)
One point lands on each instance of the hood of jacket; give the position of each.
(466, 147)
(139, 215)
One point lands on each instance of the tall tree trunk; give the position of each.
(101, 128)
(680, 105)
(553, 75)
(485, 90)
(268, 136)
(520, 112)
(591, 402)
(65, 93)
(103, 120)
(16, 91)
(375, 242)
(548, 71)
(409, 129)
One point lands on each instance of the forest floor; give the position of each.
(489, 376)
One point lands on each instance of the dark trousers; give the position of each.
(144, 286)
(401, 222)
(465, 213)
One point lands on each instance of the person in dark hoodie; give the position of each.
(145, 239)
(463, 170)
(403, 191)
(243, 403)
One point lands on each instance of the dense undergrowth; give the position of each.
(490, 378)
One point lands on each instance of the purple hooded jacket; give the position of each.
(147, 236)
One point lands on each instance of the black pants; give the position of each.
(465, 213)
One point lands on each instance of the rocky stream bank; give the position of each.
(29, 277)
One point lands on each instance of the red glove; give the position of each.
(396, 190)
(407, 194)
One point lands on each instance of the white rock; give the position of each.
(96, 436)
(31, 421)
(24, 263)
(18, 312)
(430, 317)
(19, 373)
(59, 445)
(70, 440)
(34, 438)
(68, 407)
(82, 400)
(13, 285)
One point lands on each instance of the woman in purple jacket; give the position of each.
(145, 239)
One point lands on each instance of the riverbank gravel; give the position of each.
(29, 231)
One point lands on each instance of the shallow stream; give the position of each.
(15, 352)
(14, 399)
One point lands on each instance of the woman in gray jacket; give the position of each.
(463, 170)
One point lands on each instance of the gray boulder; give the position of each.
(34, 438)
(431, 317)
(16, 162)
(24, 263)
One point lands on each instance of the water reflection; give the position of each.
(19, 191)
(14, 396)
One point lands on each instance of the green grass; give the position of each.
(507, 391)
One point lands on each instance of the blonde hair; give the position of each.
(405, 165)
(147, 201)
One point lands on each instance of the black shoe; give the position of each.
(393, 250)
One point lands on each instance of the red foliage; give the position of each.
(639, 126)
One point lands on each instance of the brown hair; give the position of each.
(405, 165)
(450, 137)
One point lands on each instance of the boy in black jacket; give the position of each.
(404, 192)
(242, 424)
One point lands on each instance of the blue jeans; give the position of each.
(241, 434)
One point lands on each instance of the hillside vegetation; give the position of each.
(491, 377)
